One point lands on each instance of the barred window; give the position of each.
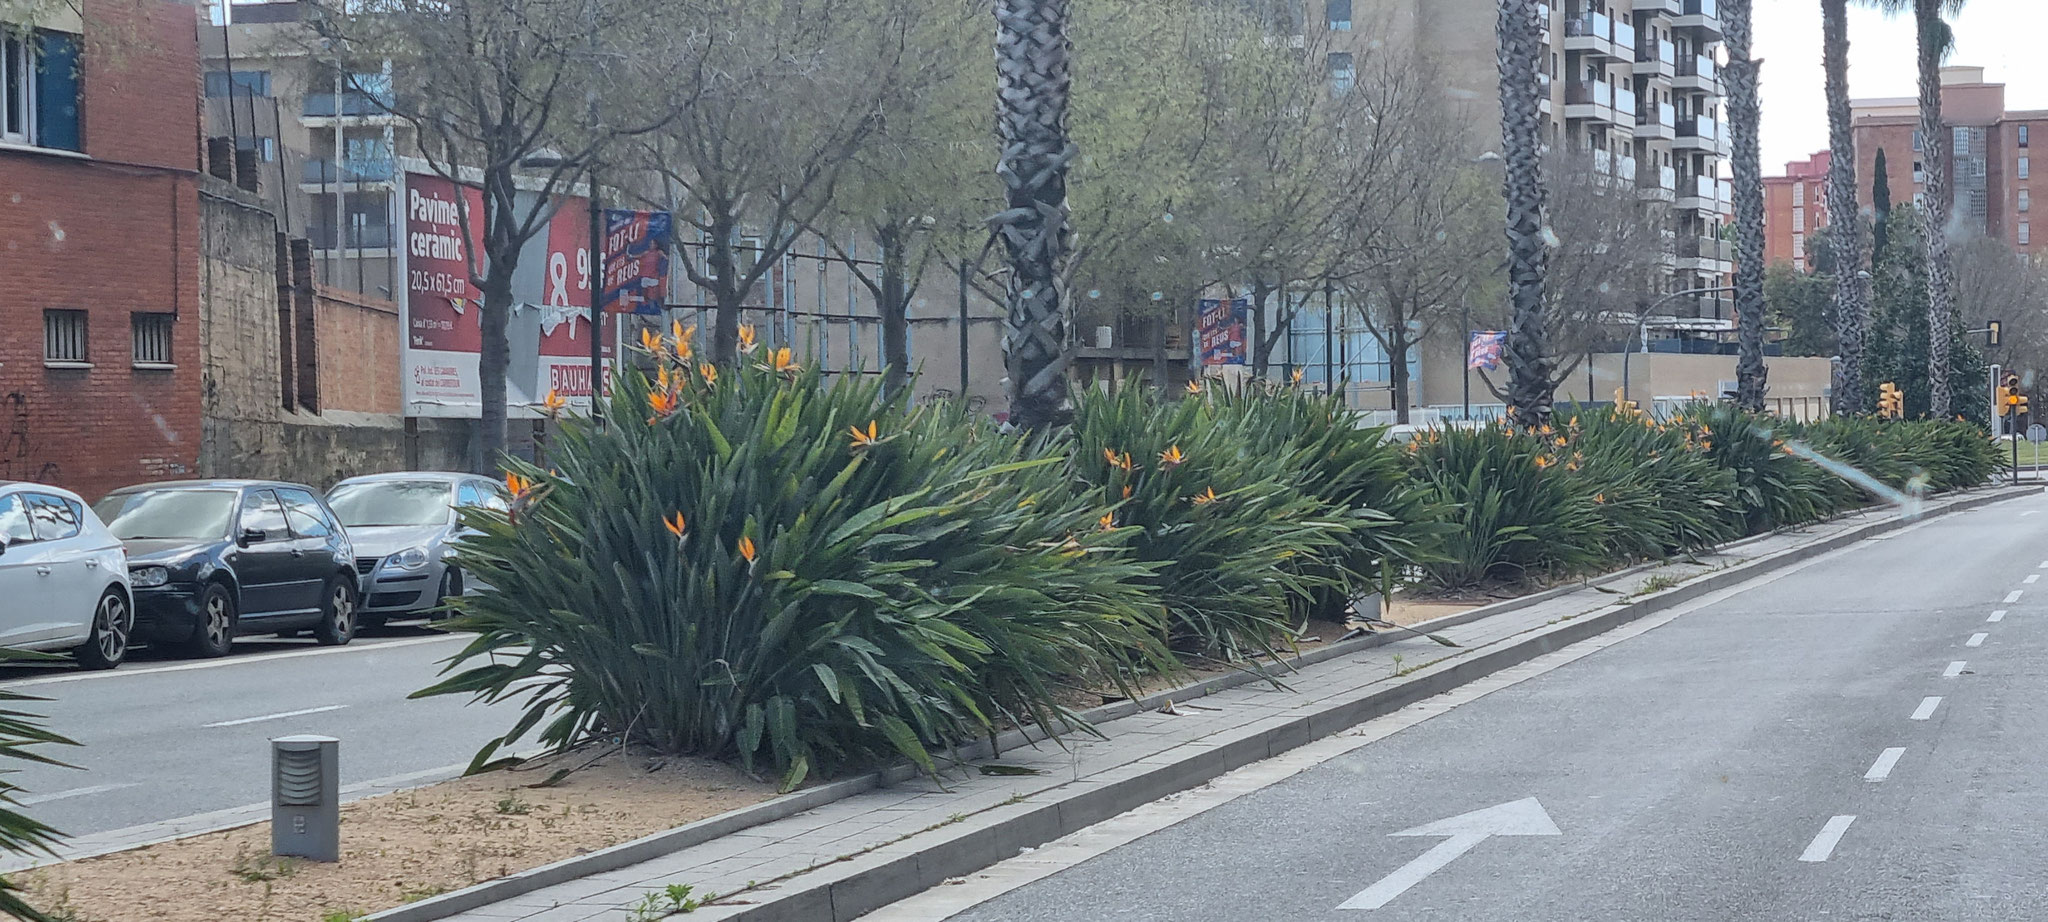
(152, 334)
(64, 336)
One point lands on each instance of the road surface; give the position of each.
(1860, 738)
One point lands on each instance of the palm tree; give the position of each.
(1852, 296)
(1032, 82)
(1936, 41)
(1528, 355)
(1743, 118)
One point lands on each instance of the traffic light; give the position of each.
(2010, 401)
(1891, 402)
(1623, 404)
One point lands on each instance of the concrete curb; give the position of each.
(873, 881)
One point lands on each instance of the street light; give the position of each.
(1642, 332)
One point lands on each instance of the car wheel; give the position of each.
(337, 615)
(451, 589)
(214, 635)
(112, 623)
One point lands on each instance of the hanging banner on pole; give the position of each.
(1485, 350)
(636, 260)
(1222, 330)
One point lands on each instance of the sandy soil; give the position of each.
(396, 848)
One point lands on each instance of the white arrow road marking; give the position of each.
(1830, 835)
(1523, 817)
(1997, 616)
(1954, 669)
(1926, 708)
(1882, 768)
(257, 719)
(1976, 640)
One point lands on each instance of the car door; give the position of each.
(267, 564)
(75, 577)
(24, 582)
(314, 536)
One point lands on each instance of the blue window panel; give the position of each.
(58, 80)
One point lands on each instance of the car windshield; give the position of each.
(186, 514)
(391, 502)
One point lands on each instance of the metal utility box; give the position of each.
(305, 797)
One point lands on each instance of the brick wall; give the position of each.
(358, 338)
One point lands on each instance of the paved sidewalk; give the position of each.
(815, 865)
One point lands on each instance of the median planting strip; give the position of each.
(843, 849)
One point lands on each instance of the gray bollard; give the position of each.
(305, 797)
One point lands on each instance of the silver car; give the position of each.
(404, 526)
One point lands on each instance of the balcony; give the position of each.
(1698, 72)
(1696, 193)
(1660, 185)
(345, 105)
(1603, 162)
(1625, 170)
(1624, 101)
(1705, 254)
(355, 237)
(1657, 59)
(1543, 21)
(1700, 15)
(1665, 7)
(1703, 134)
(1624, 37)
(331, 172)
(1594, 101)
(1592, 33)
(1657, 122)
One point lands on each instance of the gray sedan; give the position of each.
(404, 526)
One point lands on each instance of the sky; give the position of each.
(2002, 36)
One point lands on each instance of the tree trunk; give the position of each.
(895, 309)
(492, 360)
(1032, 82)
(725, 325)
(1852, 295)
(1528, 352)
(1397, 374)
(1940, 195)
(1744, 116)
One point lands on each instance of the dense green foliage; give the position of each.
(805, 576)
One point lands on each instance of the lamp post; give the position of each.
(1642, 333)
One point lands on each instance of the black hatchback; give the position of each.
(213, 559)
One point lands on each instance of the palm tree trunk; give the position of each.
(1032, 82)
(1852, 294)
(1528, 351)
(1743, 118)
(1934, 41)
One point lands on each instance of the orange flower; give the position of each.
(1560, 441)
(708, 372)
(553, 403)
(1171, 457)
(518, 486)
(1542, 461)
(650, 341)
(1108, 521)
(864, 438)
(683, 336)
(1204, 498)
(675, 525)
(1194, 387)
(1127, 491)
(747, 343)
(1600, 499)
(663, 403)
(746, 549)
(1296, 376)
(783, 362)
(1122, 461)
(663, 381)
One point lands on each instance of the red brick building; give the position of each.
(1990, 150)
(1795, 205)
(99, 226)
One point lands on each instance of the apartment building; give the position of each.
(1990, 149)
(322, 145)
(1795, 205)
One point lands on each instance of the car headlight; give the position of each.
(411, 558)
(148, 577)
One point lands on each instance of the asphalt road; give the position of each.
(1778, 755)
(171, 738)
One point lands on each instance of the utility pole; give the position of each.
(963, 330)
(596, 245)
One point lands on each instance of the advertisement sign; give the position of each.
(1484, 351)
(1222, 330)
(442, 326)
(636, 261)
(565, 308)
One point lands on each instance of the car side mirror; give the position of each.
(252, 536)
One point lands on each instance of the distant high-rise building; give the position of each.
(1990, 155)
(1795, 205)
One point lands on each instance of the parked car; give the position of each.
(63, 578)
(211, 560)
(404, 526)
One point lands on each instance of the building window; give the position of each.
(64, 336)
(1798, 246)
(1338, 14)
(2023, 168)
(1799, 219)
(2026, 234)
(1342, 74)
(1798, 194)
(2026, 201)
(243, 83)
(1919, 141)
(2023, 135)
(152, 334)
(39, 76)
(1919, 173)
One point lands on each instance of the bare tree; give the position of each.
(1606, 262)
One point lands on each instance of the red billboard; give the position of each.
(441, 313)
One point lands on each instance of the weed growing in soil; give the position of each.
(672, 901)
(257, 868)
(511, 805)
